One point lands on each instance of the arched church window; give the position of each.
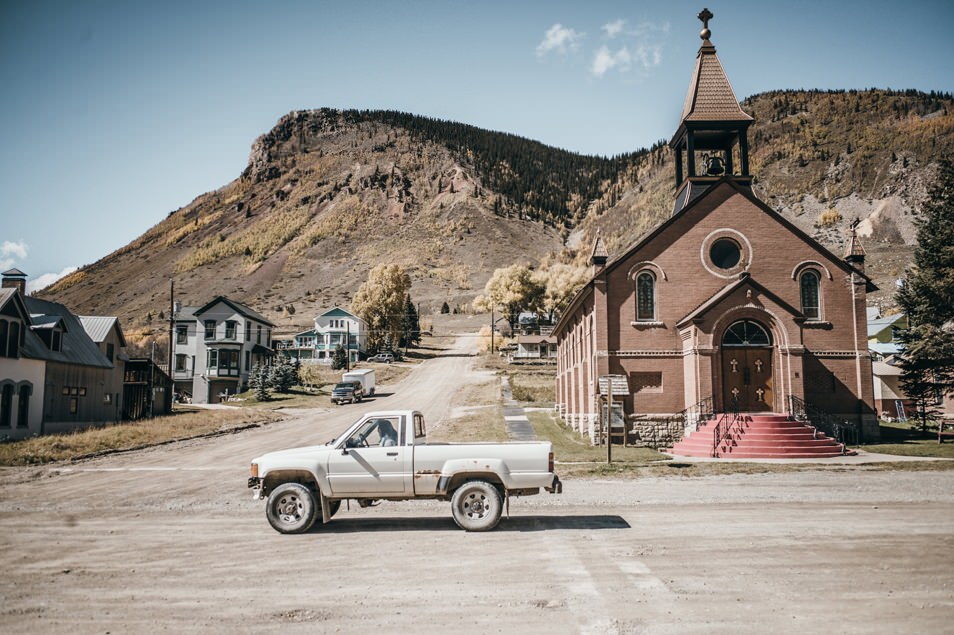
(746, 333)
(809, 284)
(645, 297)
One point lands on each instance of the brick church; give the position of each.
(726, 303)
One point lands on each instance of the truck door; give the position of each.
(374, 461)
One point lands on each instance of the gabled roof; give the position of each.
(76, 347)
(879, 324)
(725, 181)
(238, 307)
(728, 181)
(338, 312)
(744, 280)
(11, 297)
(98, 328)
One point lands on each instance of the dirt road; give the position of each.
(169, 540)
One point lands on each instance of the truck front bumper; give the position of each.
(255, 484)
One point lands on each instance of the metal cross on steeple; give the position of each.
(705, 15)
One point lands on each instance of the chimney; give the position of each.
(15, 279)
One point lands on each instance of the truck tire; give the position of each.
(291, 509)
(476, 506)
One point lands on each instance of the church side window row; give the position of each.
(809, 285)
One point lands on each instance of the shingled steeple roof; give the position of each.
(711, 140)
(710, 96)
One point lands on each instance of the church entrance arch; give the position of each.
(747, 380)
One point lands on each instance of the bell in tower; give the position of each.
(711, 142)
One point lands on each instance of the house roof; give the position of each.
(76, 348)
(13, 273)
(338, 312)
(305, 333)
(882, 369)
(885, 348)
(238, 307)
(98, 328)
(536, 339)
(877, 325)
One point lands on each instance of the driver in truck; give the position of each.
(387, 433)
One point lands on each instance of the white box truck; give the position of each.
(363, 375)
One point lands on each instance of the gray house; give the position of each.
(215, 346)
(53, 376)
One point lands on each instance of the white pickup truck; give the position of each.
(385, 456)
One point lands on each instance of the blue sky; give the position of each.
(115, 113)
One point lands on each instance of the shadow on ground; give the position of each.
(514, 523)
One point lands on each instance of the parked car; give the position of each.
(387, 358)
(347, 392)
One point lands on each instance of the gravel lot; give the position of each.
(169, 540)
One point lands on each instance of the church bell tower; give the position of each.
(711, 143)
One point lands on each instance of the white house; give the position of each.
(215, 347)
(337, 327)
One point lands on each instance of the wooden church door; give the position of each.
(747, 379)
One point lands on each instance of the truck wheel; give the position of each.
(476, 506)
(291, 509)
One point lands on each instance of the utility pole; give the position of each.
(348, 345)
(172, 319)
(492, 330)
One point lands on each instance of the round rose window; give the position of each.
(725, 253)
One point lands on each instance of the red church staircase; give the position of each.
(757, 436)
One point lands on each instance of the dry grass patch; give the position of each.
(182, 424)
(534, 385)
(481, 419)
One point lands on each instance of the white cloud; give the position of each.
(47, 279)
(10, 252)
(606, 60)
(649, 55)
(614, 28)
(560, 39)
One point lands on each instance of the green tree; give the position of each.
(927, 298)
(380, 303)
(339, 359)
(258, 381)
(511, 290)
(411, 325)
(281, 375)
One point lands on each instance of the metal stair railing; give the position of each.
(842, 431)
(694, 415)
(723, 427)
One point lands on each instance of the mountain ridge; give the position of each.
(327, 194)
